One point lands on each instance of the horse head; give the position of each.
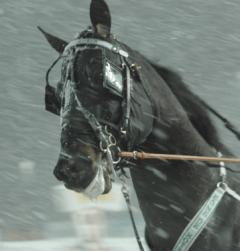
(94, 103)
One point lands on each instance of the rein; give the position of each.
(142, 155)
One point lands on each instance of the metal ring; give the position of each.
(117, 161)
(101, 147)
(106, 130)
(119, 158)
(112, 140)
(123, 131)
(135, 155)
(222, 185)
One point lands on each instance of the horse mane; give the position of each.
(192, 104)
(197, 113)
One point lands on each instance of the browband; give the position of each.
(91, 41)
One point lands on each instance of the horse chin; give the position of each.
(73, 188)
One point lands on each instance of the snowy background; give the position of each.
(200, 39)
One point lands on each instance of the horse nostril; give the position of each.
(65, 169)
(59, 172)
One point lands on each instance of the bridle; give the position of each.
(107, 141)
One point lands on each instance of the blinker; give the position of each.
(113, 75)
(52, 100)
(113, 80)
(91, 63)
(52, 103)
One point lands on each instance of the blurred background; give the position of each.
(199, 39)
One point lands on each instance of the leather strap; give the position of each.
(199, 221)
(91, 41)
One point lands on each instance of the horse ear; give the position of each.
(57, 43)
(100, 17)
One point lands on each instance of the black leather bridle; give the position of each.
(107, 142)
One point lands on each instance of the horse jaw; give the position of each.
(57, 43)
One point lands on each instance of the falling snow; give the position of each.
(187, 35)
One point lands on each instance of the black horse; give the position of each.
(108, 91)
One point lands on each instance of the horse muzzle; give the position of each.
(73, 173)
(91, 180)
